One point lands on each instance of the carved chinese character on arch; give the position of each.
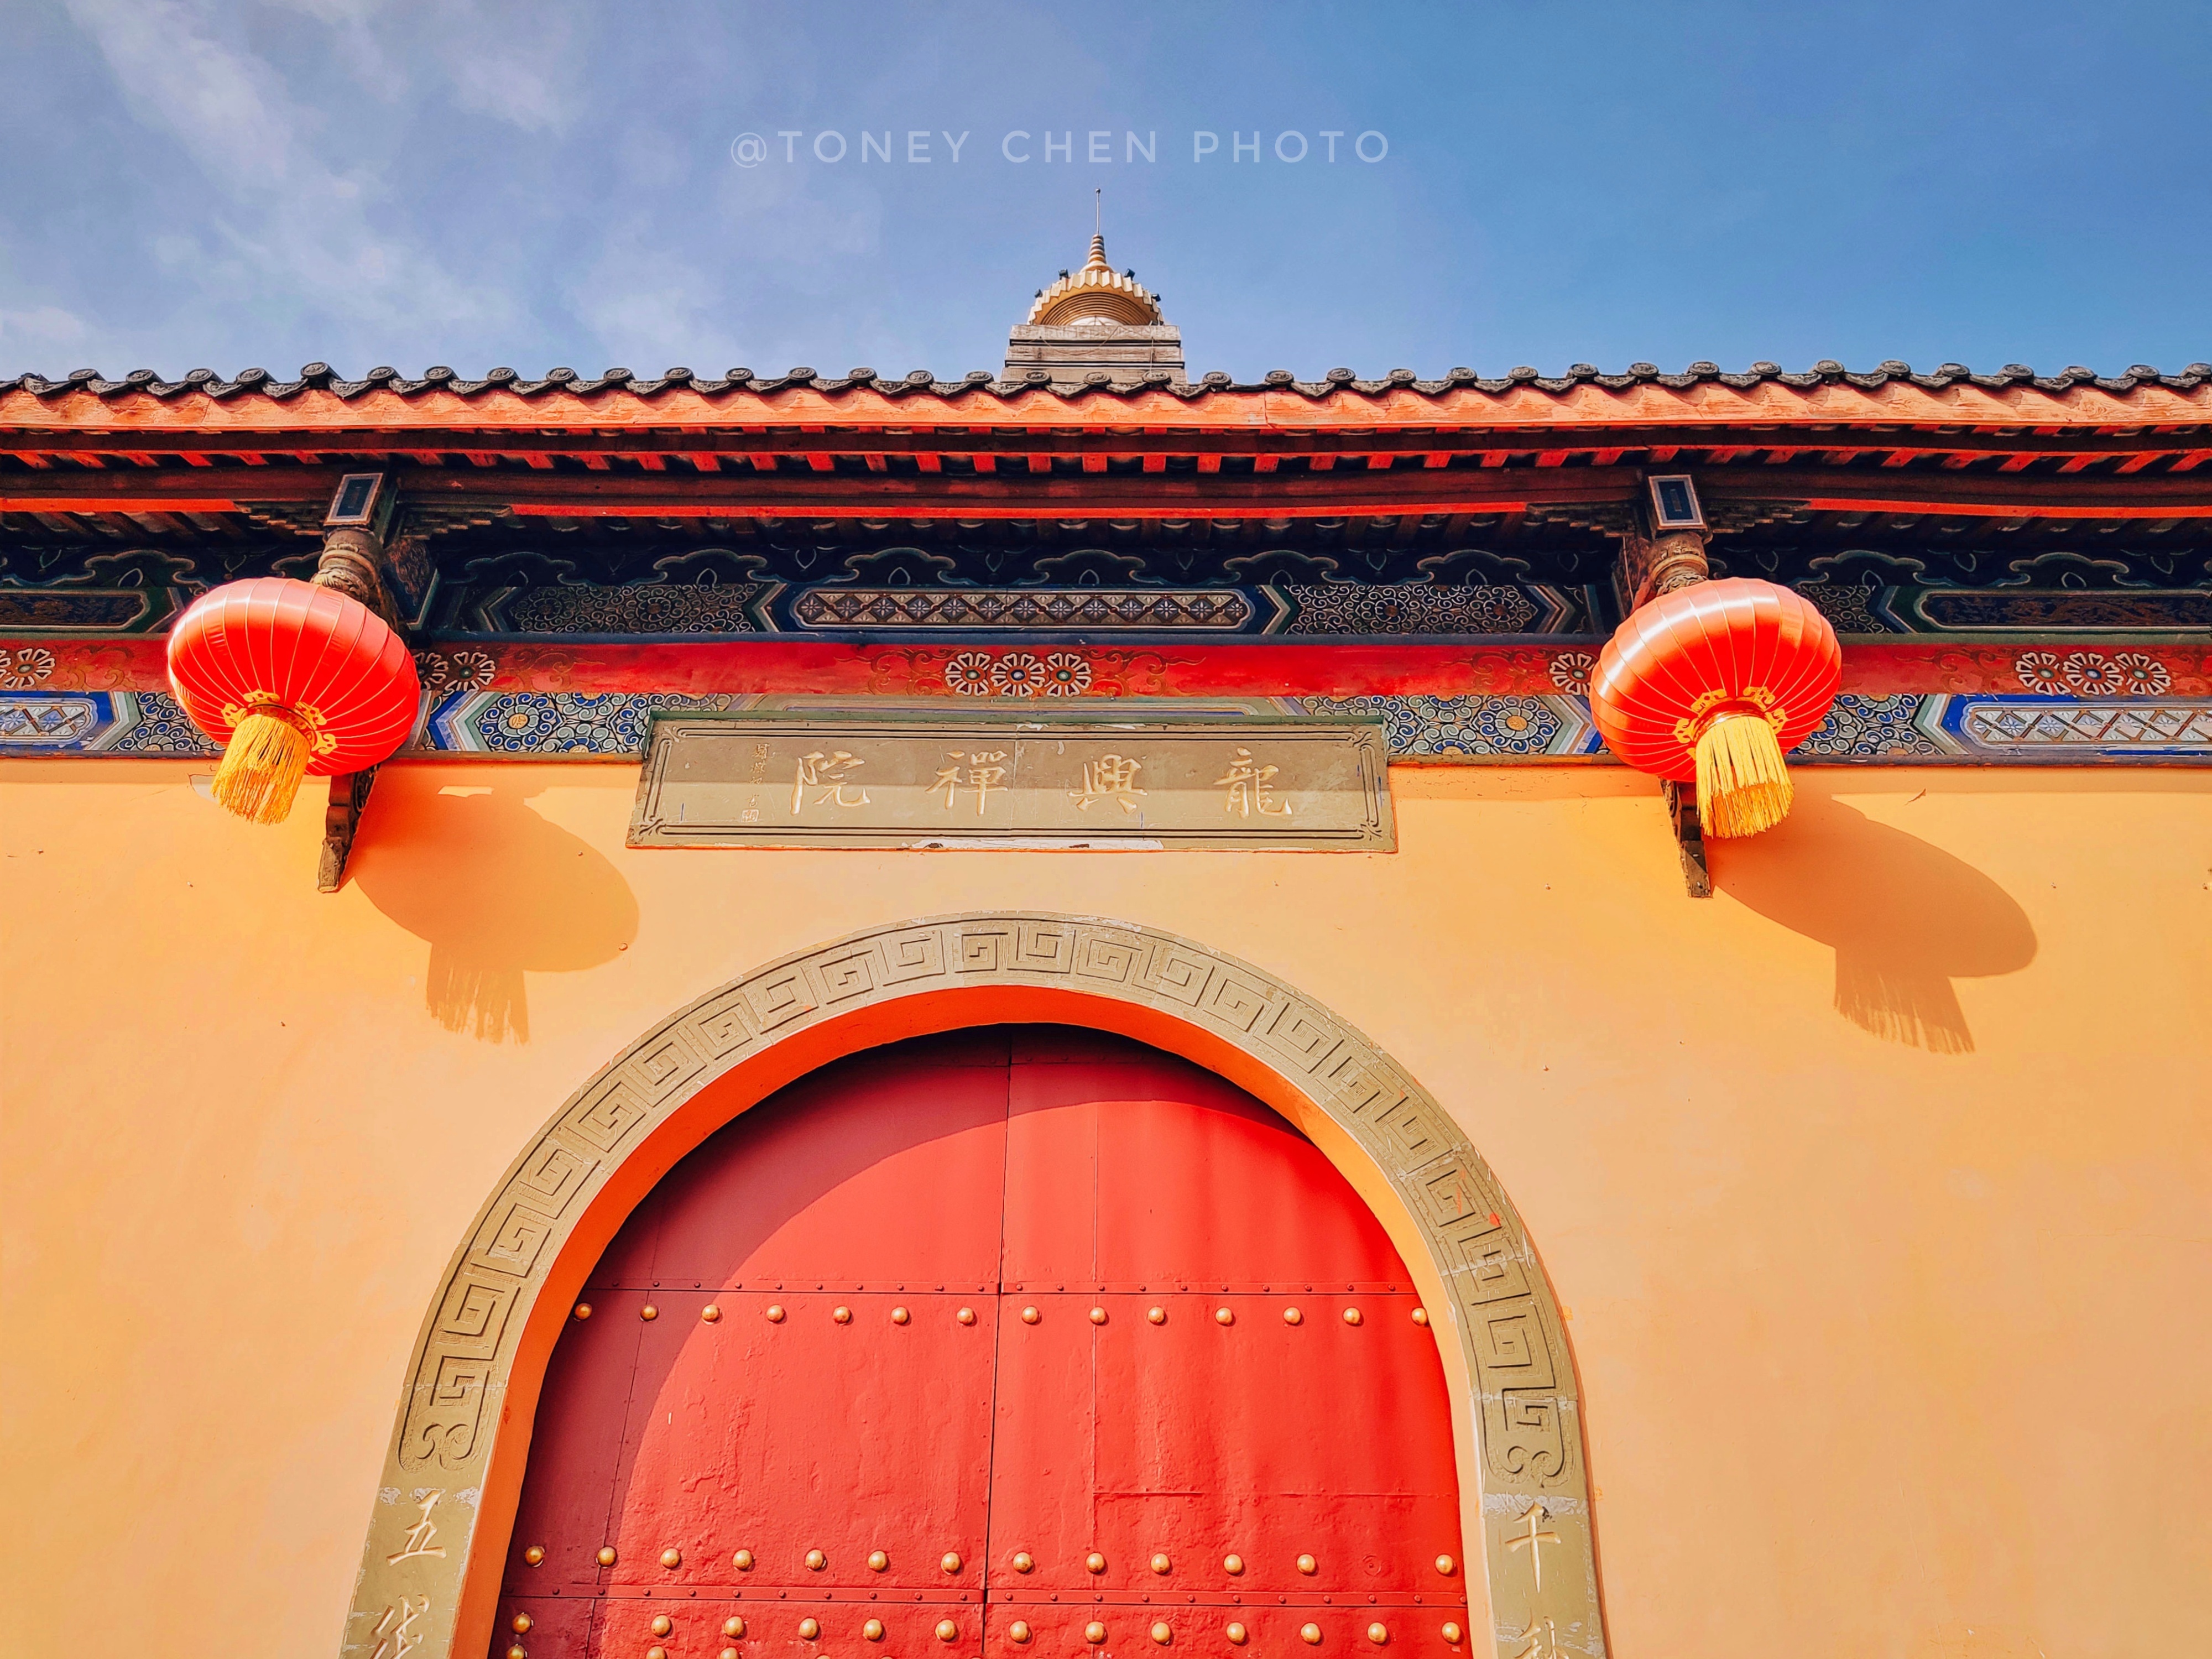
(394, 1631)
(421, 1533)
(1502, 1321)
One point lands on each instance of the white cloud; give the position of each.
(181, 78)
(515, 63)
(651, 310)
(360, 51)
(46, 325)
(518, 63)
(302, 225)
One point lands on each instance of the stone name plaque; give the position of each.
(945, 781)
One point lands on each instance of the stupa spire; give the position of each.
(1096, 320)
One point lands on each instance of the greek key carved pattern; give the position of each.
(1502, 1313)
(475, 1314)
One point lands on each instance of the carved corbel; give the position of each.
(1676, 559)
(1689, 836)
(1668, 550)
(1652, 566)
(341, 821)
(352, 563)
(1670, 555)
(355, 528)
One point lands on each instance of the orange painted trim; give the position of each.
(1463, 409)
(794, 493)
(1002, 505)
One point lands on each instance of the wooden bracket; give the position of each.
(1655, 566)
(1689, 836)
(341, 819)
(354, 562)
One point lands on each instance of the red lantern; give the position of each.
(291, 678)
(1715, 682)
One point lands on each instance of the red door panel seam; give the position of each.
(1009, 1293)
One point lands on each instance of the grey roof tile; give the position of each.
(920, 382)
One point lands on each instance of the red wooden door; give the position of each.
(1018, 1341)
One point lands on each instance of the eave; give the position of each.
(126, 457)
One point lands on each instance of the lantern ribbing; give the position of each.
(1714, 682)
(293, 680)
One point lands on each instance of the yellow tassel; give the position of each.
(262, 766)
(1743, 787)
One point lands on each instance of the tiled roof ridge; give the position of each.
(439, 378)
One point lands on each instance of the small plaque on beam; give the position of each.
(926, 781)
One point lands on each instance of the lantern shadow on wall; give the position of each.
(1905, 918)
(494, 888)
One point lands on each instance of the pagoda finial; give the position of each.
(1097, 293)
(1096, 324)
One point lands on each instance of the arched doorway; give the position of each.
(433, 1555)
(1017, 1340)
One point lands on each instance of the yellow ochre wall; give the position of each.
(1875, 1187)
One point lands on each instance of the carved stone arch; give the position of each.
(431, 1567)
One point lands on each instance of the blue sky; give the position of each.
(270, 182)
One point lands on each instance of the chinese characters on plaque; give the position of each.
(984, 774)
(799, 780)
(1110, 778)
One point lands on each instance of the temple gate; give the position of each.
(1021, 1340)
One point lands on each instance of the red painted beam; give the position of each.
(1901, 446)
(788, 663)
(1019, 494)
(116, 503)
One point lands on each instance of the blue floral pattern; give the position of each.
(1869, 728)
(163, 728)
(1475, 726)
(571, 722)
